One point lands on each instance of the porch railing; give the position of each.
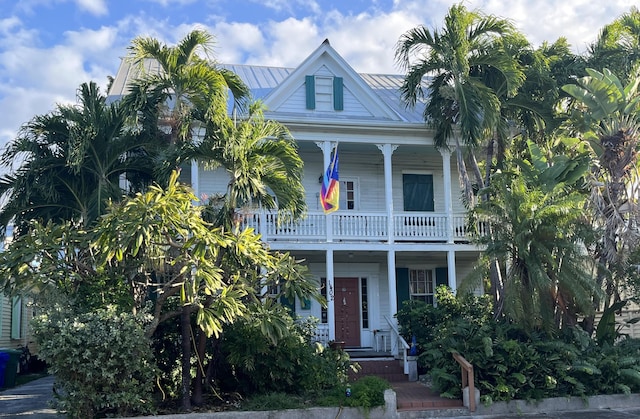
(359, 226)
(399, 346)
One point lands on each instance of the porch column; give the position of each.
(391, 279)
(327, 147)
(331, 310)
(451, 269)
(195, 178)
(387, 152)
(448, 206)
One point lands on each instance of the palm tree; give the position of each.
(539, 234)
(469, 69)
(457, 59)
(607, 114)
(184, 81)
(262, 162)
(618, 45)
(72, 161)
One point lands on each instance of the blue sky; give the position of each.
(49, 47)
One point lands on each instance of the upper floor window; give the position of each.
(348, 194)
(417, 192)
(324, 93)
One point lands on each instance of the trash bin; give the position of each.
(4, 358)
(11, 367)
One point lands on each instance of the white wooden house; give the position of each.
(400, 228)
(15, 314)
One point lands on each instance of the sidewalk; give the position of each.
(30, 401)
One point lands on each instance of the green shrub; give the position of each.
(511, 363)
(291, 364)
(101, 360)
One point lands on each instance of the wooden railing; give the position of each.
(467, 379)
(359, 226)
(399, 346)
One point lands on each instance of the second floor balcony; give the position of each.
(361, 227)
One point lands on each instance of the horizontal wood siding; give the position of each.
(5, 321)
(367, 169)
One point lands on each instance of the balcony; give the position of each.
(360, 227)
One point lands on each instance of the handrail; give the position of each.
(467, 379)
(398, 338)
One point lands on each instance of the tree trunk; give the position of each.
(185, 328)
(198, 398)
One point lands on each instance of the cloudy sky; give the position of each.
(49, 47)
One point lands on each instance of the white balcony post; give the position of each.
(448, 206)
(451, 271)
(195, 178)
(387, 152)
(331, 310)
(327, 147)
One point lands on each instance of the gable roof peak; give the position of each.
(326, 42)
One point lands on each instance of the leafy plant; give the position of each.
(101, 359)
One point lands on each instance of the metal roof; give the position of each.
(261, 80)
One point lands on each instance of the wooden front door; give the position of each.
(347, 309)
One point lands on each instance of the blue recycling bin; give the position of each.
(4, 359)
(10, 367)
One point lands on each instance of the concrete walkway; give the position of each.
(30, 401)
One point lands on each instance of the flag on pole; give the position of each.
(330, 192)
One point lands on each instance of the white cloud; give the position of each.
(165, 3)
(95, 7)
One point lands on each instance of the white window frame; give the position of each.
(426, 294)
(344, 193)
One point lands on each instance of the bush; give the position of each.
(511, 363)
(102, 362)
(292, 364)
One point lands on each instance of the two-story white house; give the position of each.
(400, 228)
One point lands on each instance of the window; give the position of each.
(324, 93)
(417, 192)
(348, 192)
(421, 285)
(365, 303)
(324, 314)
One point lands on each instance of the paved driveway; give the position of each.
(29, 401)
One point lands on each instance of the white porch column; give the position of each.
(327, 147)
(387, 152)
(331, 310)
(391, 279)
(195, 178)
(448, 206)
(451, 270)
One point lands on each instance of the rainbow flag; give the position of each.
(330, 192)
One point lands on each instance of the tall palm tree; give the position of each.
(456, 60)
(71, 163)
(182, 82)
(618, 45)
(468, 70)
(607, 114)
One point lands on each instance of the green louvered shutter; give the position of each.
(310, 87)
(402, 285)
(442, 276)
(16, 318)
(290, 304)
(338, 94)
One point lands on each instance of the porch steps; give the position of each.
(410, 396)
(389, 369)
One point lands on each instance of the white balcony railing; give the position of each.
(360, 226)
